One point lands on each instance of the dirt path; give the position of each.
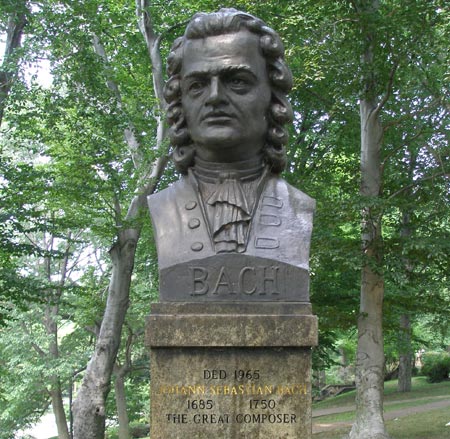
(441, 402)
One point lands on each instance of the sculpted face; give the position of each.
(225, 96)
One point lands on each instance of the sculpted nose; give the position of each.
(216, 92)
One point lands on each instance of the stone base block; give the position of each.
(220, 374)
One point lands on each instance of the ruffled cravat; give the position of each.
(231, 216)
(229, 195)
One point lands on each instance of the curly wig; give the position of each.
(227, 21)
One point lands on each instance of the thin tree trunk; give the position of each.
(56, 392)
(70, 408)
(121, 404)
(405, 363)
(120, 372)
(404, 336)
(51, 325)
(404, 342)
(58, 411)
(16, 24)
(369, 377)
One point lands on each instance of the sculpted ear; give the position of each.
(183, 157)
(172, 89)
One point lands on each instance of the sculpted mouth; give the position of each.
(217, 116)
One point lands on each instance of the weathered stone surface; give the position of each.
(231, 393)
(230, 325)
(231, 370)
(267, 308)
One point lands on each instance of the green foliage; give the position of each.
(436, 366)
(66, 173)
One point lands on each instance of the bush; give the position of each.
(436, 366)
(137, 430)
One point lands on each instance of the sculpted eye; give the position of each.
(239, 83)
(195, 86)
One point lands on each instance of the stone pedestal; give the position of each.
(231, 370)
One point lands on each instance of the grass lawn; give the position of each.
(426, 425)
(349, 416)
(420, 389)
(335, 434)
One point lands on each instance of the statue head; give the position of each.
(235, 33)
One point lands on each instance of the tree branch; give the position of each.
(388, 92)
(418, 182)
(399, 148)
(433, 104)
(35, 346)
(129, 132)
(153, 43)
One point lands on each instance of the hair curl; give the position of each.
(226, 21)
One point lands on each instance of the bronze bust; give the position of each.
(230, 229)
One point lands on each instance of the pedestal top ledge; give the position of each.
(231, 325)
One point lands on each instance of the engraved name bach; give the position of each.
(259, 280)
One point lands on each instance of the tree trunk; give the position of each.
(369, 422)
(55, 392)
(369, 374)
(70, 408)
(404, 341)
(404, 336)
(58, 411)
(89, 406)
(51, 325)
(120, 372)
(124, 425)
(405, 364)
(16, 23)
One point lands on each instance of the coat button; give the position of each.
(190, 205)
(193, 223)
(197, 246)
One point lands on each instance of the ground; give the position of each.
(318, 426)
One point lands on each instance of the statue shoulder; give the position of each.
(170, 197)
(283, 190)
